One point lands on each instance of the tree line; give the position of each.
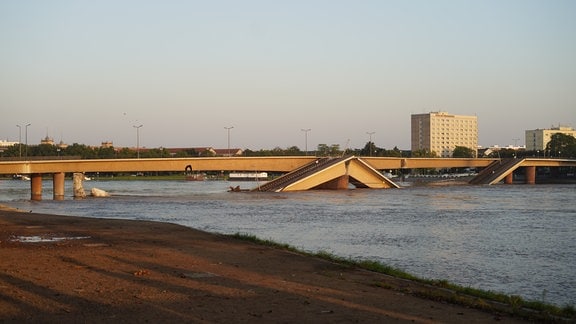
(560, 145)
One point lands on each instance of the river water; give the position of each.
(514, 239)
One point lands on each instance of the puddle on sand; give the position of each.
(44, 239)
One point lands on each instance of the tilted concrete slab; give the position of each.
(363, 173)
(338, 176)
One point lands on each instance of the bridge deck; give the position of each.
(270, 164)
(361, 172)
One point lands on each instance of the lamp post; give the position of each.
(228, 129)
(306, 139)
(138, 140)
(26, 141)
(19, 141)
(370, 142)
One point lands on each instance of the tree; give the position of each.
(369, 149)
(13, 150)
(80, 150)
(463, 152)
(562, 145)
(323, 150)
(293, 150)
(424, 154)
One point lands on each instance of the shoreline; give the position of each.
(125, 270)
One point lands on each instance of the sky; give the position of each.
(86, 72)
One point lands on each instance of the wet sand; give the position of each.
(71, 269)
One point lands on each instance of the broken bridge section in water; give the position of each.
(330, 173)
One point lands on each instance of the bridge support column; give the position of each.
(530, 174)
(509, 178)
(58, 185)
(77, 184)
(335, 184)
(36, 186)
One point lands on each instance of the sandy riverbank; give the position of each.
(72, 269)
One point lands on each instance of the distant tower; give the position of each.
(441, 132)
(47, 140)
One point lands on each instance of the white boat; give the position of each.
(249, 176)
(20, 177)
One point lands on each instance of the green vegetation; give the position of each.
(81, 151)
(561, 145)
(463, 152)
(468, 296)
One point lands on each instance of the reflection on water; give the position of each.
(514, 239)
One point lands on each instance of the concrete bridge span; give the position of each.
(273, 164)
(283, 164)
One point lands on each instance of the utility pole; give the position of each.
(370, 143)
(306, 139)
(228, 129)
(138, 140)
(19, 141)
(26, 140)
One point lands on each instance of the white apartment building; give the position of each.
(7, 143)
(537, 139)
(441, 132)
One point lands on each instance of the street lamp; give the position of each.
(306, 139)
(26, 141)
(228, 129)
(138, 140)
(19, 140)
(370, 143)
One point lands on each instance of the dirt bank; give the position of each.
(72, 269)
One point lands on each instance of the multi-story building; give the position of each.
(441, 132)
(4, 143)
(537, 139)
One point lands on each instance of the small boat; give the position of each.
(20, 177)
(195, 177)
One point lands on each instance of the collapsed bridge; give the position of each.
(330, 173)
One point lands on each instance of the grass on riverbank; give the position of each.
(443, 290)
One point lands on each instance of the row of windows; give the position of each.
(459, 121)
(452, 124)
(452, 133)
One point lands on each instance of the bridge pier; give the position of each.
(336, 184)
(509, 178)
(530, 172)
(36, 186)
(58, 185)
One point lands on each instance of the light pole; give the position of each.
(228, 129)
(370, 143)
(19, 140)
(26, 141)
(306, 139)
(138, 140)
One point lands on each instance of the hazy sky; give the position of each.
(88, 71)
